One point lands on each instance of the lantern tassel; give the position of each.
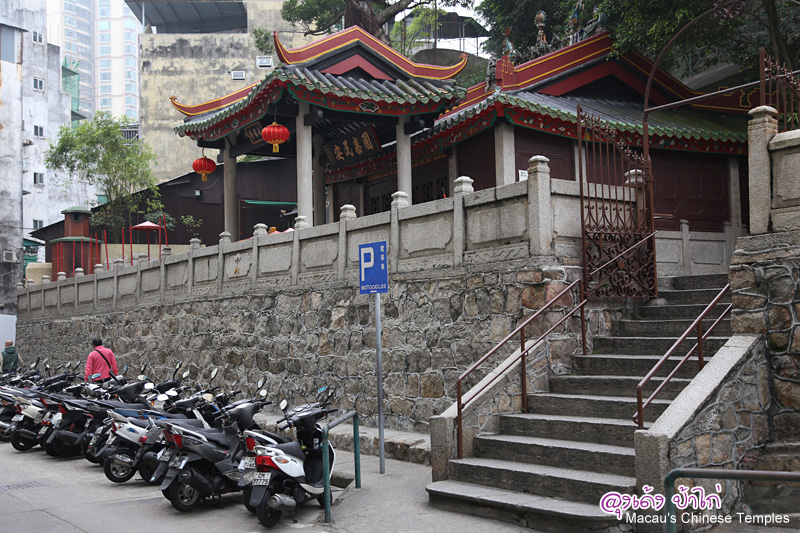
(275, 148)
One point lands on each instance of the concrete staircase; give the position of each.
(548, 469)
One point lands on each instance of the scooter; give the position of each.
(290, 474)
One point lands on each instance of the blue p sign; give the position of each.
(373, 272)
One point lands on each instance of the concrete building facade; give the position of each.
(34, 108)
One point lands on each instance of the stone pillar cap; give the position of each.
(301, 221)
(463, 185)
(260, 229)
(399, 199)
(347, 211)
(225, 237)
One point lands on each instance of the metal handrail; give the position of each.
(326, 467)
(462, 402)
(715, 473)
(638, 417)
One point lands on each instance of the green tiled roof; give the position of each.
(411, 91)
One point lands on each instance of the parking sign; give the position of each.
(373, 273)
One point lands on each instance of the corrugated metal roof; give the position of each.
(412, 90)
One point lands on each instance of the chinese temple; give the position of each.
(366, 122)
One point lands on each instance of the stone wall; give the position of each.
(717, 421)
(764, 279)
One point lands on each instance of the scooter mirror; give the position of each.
(144, 367)
(149, 386)
(214, 373)
(178, 365)
(208, 397)
(171, 392)
(46, 359)
(162, 397)
(185, 375)
(283, 404)
(260, 382)
(141, 377)
(263, 393)
(33, 365)
(69, 364)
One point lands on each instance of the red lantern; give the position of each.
(204, 166)
(275, 134)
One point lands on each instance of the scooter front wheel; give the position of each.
(267, 516)
(183, 496)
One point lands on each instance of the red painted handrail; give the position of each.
(520, 330)
(638, 417)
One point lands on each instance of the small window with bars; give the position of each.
(38, 224)
(38, 84)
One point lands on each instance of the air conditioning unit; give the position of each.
(237, 74)
(264, 61)
(9, 256)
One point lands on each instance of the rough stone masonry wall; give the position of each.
(731, 424)
(434, 324)
(764, 277)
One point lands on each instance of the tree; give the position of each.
(648, 26)
(97, 151)
(263, 41)
(318, 17)
(406, 37)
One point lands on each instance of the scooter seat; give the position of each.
(188, 423)
(213, 435)
(292, 448)
(138, 422)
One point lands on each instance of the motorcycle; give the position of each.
(290, 474)
(203, 462)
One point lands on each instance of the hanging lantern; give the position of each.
(275, 134)
(204, 166)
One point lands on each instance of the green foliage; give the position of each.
(158, 217)
(263, 41)
(419, 32)
(96, 151)
(192, 225)
(316, 17)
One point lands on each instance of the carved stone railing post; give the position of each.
(461, 187)
(399, 201)
(347, 213)
(540, 211)
(762, 127)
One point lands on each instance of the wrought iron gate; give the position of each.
(618, 237)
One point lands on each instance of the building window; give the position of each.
(105, 89)
(105, 102)
(104, 25)
(70, 20)
(130, 113)
(130, 49)
(130, 62)
(130, 87)
(38, 84)
(105, 37)
(104, 12)
(38, 131)
(130, 100)
(38, 178)
(38, 38)
(84, 39)
(102, 199)
(130, 75)
(105, 50)
(131, 24)
(38, 224)
(105, 63)
(130, 36)
(105, 76)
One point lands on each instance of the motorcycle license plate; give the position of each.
(165, 455)
(261, 478)
(178, 461)
(17, 418)
(247, 463)
(42, 430)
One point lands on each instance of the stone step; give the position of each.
(619, 460)
(603, 406)
(633, 365)
(702, 281)
(614, 386)
(576, 485)
(612, 431)
(644, 328)
(527, 510)
(652, 345)
(670, 312)
(693, 296)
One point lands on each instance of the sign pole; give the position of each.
(379, 374)
(374, 279)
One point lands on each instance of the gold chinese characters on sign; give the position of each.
(353, 147)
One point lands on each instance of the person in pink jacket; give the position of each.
(101, 360)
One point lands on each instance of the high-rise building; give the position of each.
(101, 39)
(34, 108)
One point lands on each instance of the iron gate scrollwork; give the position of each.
(619, 257)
